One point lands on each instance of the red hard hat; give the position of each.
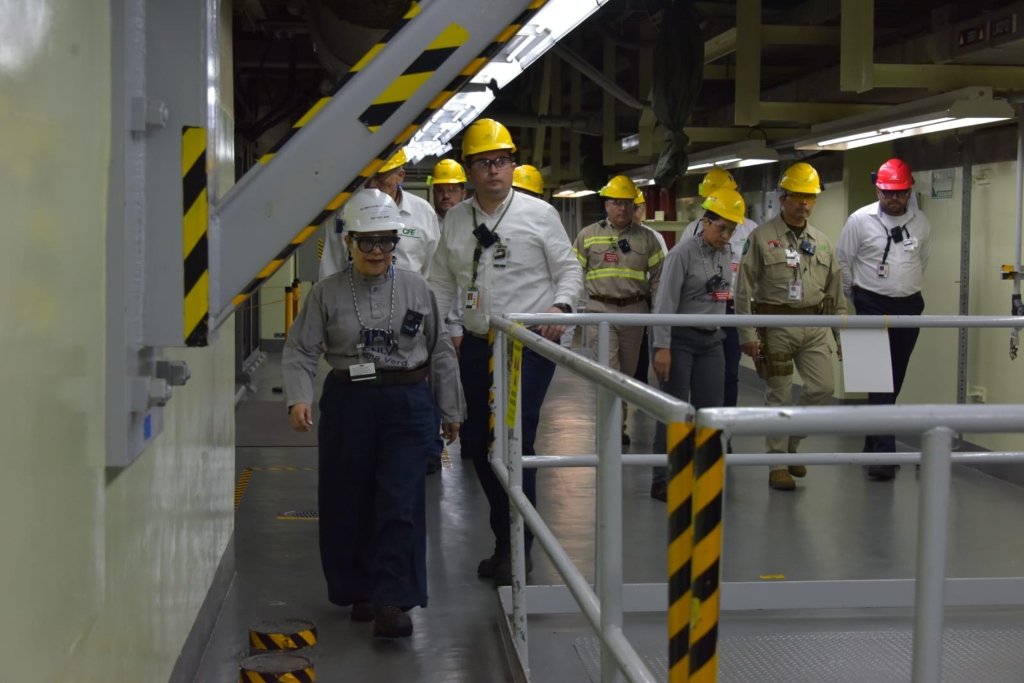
(894, 175)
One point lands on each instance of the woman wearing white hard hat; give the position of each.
(383, 336)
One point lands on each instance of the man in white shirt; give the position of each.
(419, 238)
(508, 253)
(720, 179)
(883, 252)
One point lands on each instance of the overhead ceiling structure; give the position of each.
(787, 75)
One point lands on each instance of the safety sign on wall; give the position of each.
(942, 184)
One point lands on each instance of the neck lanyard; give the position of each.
(371, 335)
(717, 260)
(478, 252)
(888, 239)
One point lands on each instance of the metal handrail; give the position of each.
(850, 322)
(764, 459)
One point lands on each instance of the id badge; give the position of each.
(792, 258)
(501, 257)
(472, 299)
(910, 244)
(796, 290)
(360, 372)
(611, 257)
(724, 295)
(883, 270)
(735, 267)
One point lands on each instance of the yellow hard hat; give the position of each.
(619, 187)
(801, 178)
(727, 203)
(716, 179)
(486, 135)
(640, 199)
(398, 159)
(448, 172)
(528, 178)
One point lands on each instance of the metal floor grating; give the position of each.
(970, 655)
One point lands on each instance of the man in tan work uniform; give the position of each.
(790, 268)
(622, 262)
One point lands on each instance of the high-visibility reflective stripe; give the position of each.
(600, 239)
(627, 273)
(656, 259)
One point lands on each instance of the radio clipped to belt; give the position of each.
(766, 363)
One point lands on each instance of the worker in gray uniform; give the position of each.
(384, 337)
(696, 278)
(790, 268)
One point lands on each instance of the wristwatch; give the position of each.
(564, 308)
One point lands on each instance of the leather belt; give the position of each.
(781, 309)
(618, 302)
(478, 335)
(387, 377)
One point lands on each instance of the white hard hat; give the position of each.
(370, 210)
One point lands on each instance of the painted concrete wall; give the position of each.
(103, 574)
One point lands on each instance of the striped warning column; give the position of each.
(680, 545)
(490, 394)
(283, 634)
(708, 488)
(438, 47)
(276, 668)
(195, 228)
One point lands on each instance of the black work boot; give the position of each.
(391, 622)
(362, 611)
(488, 565)
(433, 464)
(503, 570)
(881, 472)
(659, 491)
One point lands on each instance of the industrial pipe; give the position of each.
(289, 313)
(296, 298)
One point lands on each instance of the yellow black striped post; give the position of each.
(283, 634)
(195, 228)
(491, 418)
(243, 482)
(680, 545)
(708, 490)
(439, 50)
(276, 668)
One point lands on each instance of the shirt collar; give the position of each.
(909, 215)
(504, 202)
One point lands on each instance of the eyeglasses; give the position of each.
(368, 243)
(889, 194)
(803, 198)
(620, 203)
(722, 228)
(448, 189)
(485, 164)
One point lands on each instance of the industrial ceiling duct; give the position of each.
(345, 30)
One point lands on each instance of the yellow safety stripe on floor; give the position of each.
(243, 482)
(359, 66)
(195, 228)
(282, 641)
(371, 169)
(680, 485)
(298, 676)
(708, 485)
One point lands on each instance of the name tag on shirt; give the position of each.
(721, 296)
(501, 257)
(472, 299)
(796, 290)
(910, 244)
(735, 267)
(792, 259)
(611, 257)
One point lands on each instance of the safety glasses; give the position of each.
(368, 243)
(802, 198)
(889, 194)
(485, 164)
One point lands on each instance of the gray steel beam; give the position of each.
(857, 46)
(274, 201)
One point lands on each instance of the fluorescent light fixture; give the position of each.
(737, 155)
(630, 142)
(564, 194)
(582, 193)
(957, 109)
(548, 26)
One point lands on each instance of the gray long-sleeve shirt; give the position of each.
(684, 276)
(329, 316)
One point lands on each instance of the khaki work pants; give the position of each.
(623, 340)
(813, 360)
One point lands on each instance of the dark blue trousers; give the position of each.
(731, 348)
(901, 345)
(373, 536)
(475, 434)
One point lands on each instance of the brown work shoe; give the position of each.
(798, 471)
(391, 622)
(781, 481)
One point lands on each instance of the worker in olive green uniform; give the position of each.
(790, 268)
(622, 262)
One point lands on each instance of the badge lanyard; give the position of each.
(366, 369)
(472, 294)
(883, 267)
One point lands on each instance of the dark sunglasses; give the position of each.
(368, 244)
(889, 194)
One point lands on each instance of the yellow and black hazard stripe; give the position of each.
(276, 668)
(320, 248)
(195, 231)
(491, 418)
(443, 49)
(708, 489)
(283, 634)
(243, 482)
(680, 546)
